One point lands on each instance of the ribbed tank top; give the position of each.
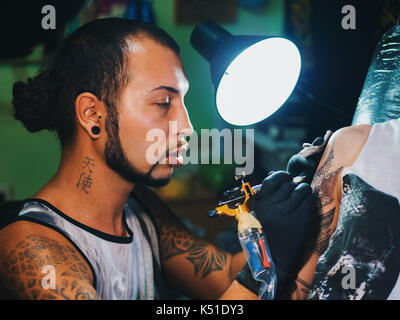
(124, 268)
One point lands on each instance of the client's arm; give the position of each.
(341, 151)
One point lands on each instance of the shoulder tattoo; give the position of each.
(25, 267)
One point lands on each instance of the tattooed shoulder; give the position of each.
(39, 267)
(342, 151)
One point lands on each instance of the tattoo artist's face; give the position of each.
(153, 97)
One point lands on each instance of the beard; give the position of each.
(117, 161)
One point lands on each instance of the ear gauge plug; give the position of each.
(96, 130)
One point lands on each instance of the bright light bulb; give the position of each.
(258, 81)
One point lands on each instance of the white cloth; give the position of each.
(378, 164)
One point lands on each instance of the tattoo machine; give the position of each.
(250, 234)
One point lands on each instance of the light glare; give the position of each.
(258, 81)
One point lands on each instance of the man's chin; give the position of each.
(157, 183)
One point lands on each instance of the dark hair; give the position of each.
(90, 60)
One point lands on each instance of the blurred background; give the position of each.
(335, 63)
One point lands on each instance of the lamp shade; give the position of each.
(252, 76)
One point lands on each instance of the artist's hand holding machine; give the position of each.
(272, 235)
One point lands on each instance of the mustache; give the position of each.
(181, 145)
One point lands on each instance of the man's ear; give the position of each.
(89, 112)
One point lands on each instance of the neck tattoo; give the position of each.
(85, 180)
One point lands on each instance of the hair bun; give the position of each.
(32, 103)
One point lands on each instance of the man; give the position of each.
(94, 230)
(354, 253)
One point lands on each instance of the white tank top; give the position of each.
(362, 260)
(124, 268)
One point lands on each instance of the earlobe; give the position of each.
(96, 130)
(89, 113)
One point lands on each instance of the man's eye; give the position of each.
(164, 104)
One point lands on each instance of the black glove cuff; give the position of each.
(285, 284)
(245, 278)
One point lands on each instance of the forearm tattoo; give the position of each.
(176, 240)
(324, 185)
(22, 271)
(302, 287)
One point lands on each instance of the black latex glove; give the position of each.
(283, 209)
(304, 163)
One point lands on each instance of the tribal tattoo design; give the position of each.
(176, 240)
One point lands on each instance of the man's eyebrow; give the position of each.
(169, 89)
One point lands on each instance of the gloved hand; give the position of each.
(304, 163)
(283, 209)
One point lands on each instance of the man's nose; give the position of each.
(185, 127)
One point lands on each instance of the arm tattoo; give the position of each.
(206, 258)
(324, 185)
(176, 240)
(23, 267)
(304, 283)
(301, 289)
